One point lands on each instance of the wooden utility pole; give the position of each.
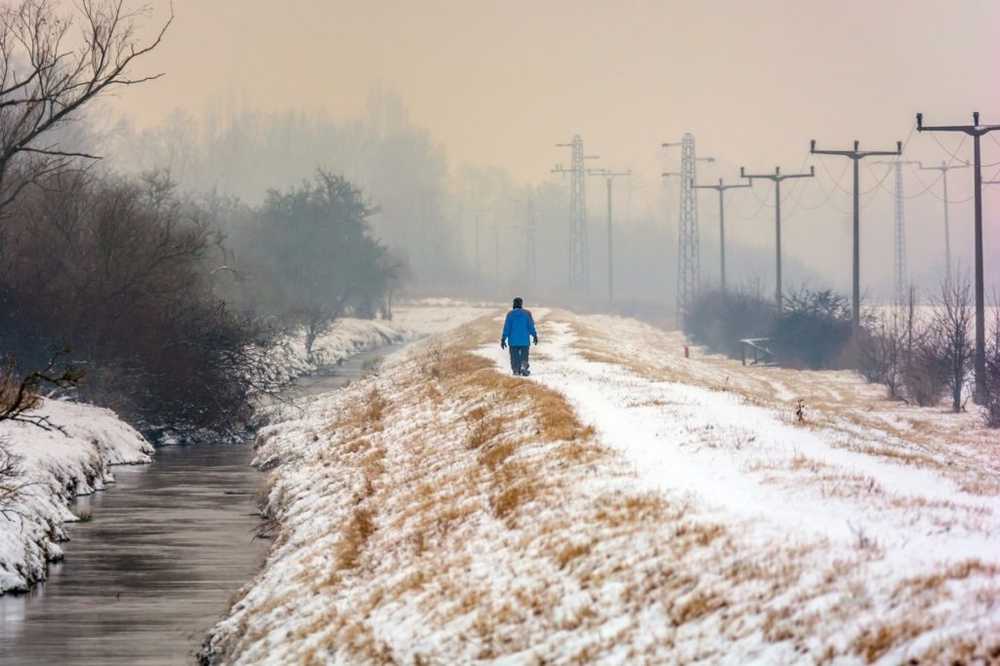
(976, 131)
(609, 179)
(721, 189)
(856, 155)
(944, 169)
(776, 178)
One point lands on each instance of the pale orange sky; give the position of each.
(499, 83)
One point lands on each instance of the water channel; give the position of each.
(166, 549)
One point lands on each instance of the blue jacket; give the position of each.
(518, 328)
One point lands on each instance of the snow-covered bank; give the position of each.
(624, 505)
(349, 336)
(55, 468)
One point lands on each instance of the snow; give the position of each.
(443, 512)
(57, 467)
(349, 336)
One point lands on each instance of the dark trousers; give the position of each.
(518, 359)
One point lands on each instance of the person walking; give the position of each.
(518, 332)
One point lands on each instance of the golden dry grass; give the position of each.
(505, 463)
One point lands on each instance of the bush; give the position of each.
(813, 330)
(884, 344)
(925, 376)
(993, 372)
(719, 320)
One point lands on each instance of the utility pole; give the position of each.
(528, 227)
(496, 252)
(944, 169)
(856, 156)
(777, 177)
(529, 241)
(479, 270)
(688, 245)
(609, 177)
(721, 189)
(579, 248)
(902, 280)
(976, 131)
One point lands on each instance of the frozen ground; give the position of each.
(623, 505)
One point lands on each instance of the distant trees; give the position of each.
(308, 256)
(920, 356)
(169, 306)
(245, 153)
(117, 272)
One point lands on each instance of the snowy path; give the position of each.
(724, 453)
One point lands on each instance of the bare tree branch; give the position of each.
(44, 80)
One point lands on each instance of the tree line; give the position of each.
(130, 292)
(920, 353)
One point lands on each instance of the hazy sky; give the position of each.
(500, 82)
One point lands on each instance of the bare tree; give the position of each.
(10, 483)
(953, 317)
(51, 66)
(19, 395)
(993, 370)
(886, 345)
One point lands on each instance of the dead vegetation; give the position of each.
(466, 498)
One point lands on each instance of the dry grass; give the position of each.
(484, 431)
(934, 583)
(489, 468)
(874, 642)
(354, 536)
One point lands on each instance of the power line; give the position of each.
(609, 177)
(777, 177)
(721, 189)
(976, 131)
(943, 177)
(856, 155)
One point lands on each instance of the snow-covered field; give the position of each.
(624, 505)
(55, 468)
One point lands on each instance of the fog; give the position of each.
(448, 113)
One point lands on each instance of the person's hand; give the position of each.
(536, 339)
(503, 344)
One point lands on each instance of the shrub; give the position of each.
(884, 345)
(992, 405)
(925, 374)
(812, 330)
(719, 320)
